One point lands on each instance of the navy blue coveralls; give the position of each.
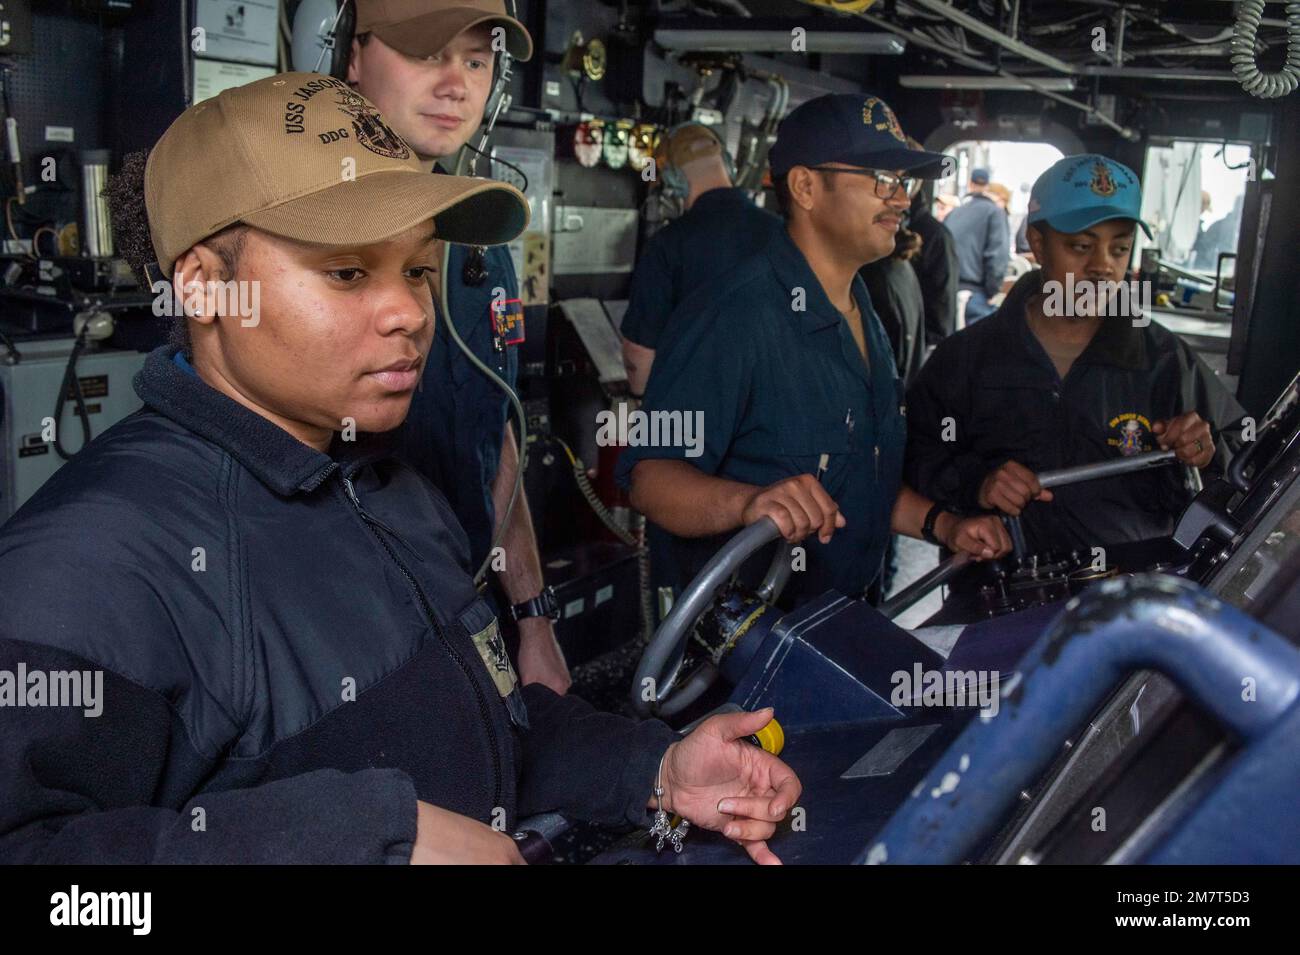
(779, 380)
(720, 230)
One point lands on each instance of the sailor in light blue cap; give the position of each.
(1068, 372)
(1078, 192)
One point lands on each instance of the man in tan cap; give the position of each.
(283, 655)
(429, 66)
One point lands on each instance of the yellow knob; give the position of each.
(771, 738)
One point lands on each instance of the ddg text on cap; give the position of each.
(306, 157)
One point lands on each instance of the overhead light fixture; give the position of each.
(778, 41)
(1054, 83)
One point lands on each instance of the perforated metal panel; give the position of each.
(60, 84)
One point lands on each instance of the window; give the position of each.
(1014, 164)
(1192, 194)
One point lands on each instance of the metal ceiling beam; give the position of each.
(1157, 73)
(921, 40)
(741, 40)
(993, 34)
(1021, 49)
(949, 81)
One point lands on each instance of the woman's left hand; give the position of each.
(717, 780)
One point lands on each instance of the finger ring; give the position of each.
(1199, 447)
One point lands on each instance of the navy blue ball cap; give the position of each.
(979, 176)
(849, 128)
(1079, 191)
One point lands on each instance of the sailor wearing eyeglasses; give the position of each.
(790, 379)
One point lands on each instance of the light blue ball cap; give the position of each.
(1077, 192)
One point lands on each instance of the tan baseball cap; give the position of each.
(305, 156)
(688, 143)
(425, 27)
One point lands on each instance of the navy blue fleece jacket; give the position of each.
(292, 652)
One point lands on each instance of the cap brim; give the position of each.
(376, 207)
(1082, 219)
(430, 34)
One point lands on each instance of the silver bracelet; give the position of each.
(662, 829)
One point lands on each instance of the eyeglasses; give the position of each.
(887, 184)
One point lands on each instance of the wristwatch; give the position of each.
(544, 604)
(931, 516)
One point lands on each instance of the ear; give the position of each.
(194, 269)
(354, 60)
(799, 180)
(1037, 242)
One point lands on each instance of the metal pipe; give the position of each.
(1217, 50)
(1155, 73)
(774, 41)
(961, 82)
(1179, 272)
(1122, 16)
(1096, 114)
(1102, 469)
(979, 28)
(1118, 626)
(1016, 529)
(924, 41)
(921, 40)
(96, 226)
(921, 587)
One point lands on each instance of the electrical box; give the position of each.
(598, 587)
(29, 392)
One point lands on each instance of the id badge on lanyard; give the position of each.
(507, 323)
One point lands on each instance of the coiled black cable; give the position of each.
(71, 383)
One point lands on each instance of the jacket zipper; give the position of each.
(374, 524)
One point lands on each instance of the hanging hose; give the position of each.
(579, 470)
(71, 386)
(1244, 66)
(648, 621)
(589, 492)
(504, 519)
(627, 536)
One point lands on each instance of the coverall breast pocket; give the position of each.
(801, 450)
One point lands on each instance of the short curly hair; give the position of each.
(130, 218)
